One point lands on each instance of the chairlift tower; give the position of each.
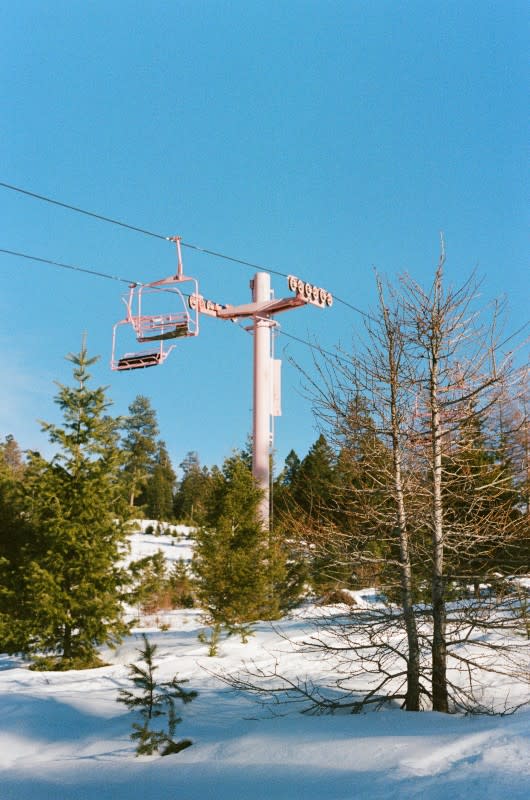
(266, 370)
(262, 390)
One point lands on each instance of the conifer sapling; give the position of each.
(154, 700)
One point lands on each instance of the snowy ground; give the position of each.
(63, 736)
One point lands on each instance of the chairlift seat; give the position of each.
(139, 360)
(156, 327)
(164, 328)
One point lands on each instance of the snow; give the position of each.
(173, 541)
(63, 736)
(172, 548)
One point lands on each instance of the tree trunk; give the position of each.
(412, 699)
(67, 642)
(439, 645)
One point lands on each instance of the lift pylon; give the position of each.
(156, 328)
(266, 370)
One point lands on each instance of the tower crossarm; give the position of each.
(305, 293)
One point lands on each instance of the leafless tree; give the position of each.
(423, 497)
(365, 400)
(461, 376)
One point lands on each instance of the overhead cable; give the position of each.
(68, 266)
(81, 211)
(155, 235)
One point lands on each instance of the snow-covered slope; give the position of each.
(63, 736)
(172, 547)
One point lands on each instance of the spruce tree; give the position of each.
(194, 491)
(304, 502)
(14, 534)
(313, 479)
(232, 553)
(140, 446)
(159, 490)
(153, 700)
(284, 484)
(481, 499)
(149, 582)
(65, 569)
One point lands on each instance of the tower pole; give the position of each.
(266, 370)
(262, 394)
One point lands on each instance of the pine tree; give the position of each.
(12, 469)
(11, 458)
(157, 700)
(312, 486)
(194, 491)
(480, 499)
(65, 572)
(232, 553)
(140, 446)
(158, 493)
(284, 484)
(14, 534)
(190, 461)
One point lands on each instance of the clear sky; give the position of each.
(316, 138)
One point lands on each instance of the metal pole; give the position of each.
(261, 291)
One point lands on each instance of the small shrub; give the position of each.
(212, 639)
(181, 586)
(58, 664)
(336, 597)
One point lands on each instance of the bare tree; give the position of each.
(365, 401)
(422, 497)
(461, 376)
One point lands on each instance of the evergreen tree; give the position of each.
(194, 491)
(149, 581)
(64, 572)
(312, 486)
(14, 534)
(11, 458)
(155, 701)
(480, 498)
(12, 470)
(181, 586)
(366, 504)
(232, 554)
(140, 446)
(190, 461)
(304, 500)
(292, 468)
(284, 484)
(158, 493)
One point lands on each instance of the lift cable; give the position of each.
(82, 211)
(155, 235)
(69, 266)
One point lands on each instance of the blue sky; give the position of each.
(316, 138)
